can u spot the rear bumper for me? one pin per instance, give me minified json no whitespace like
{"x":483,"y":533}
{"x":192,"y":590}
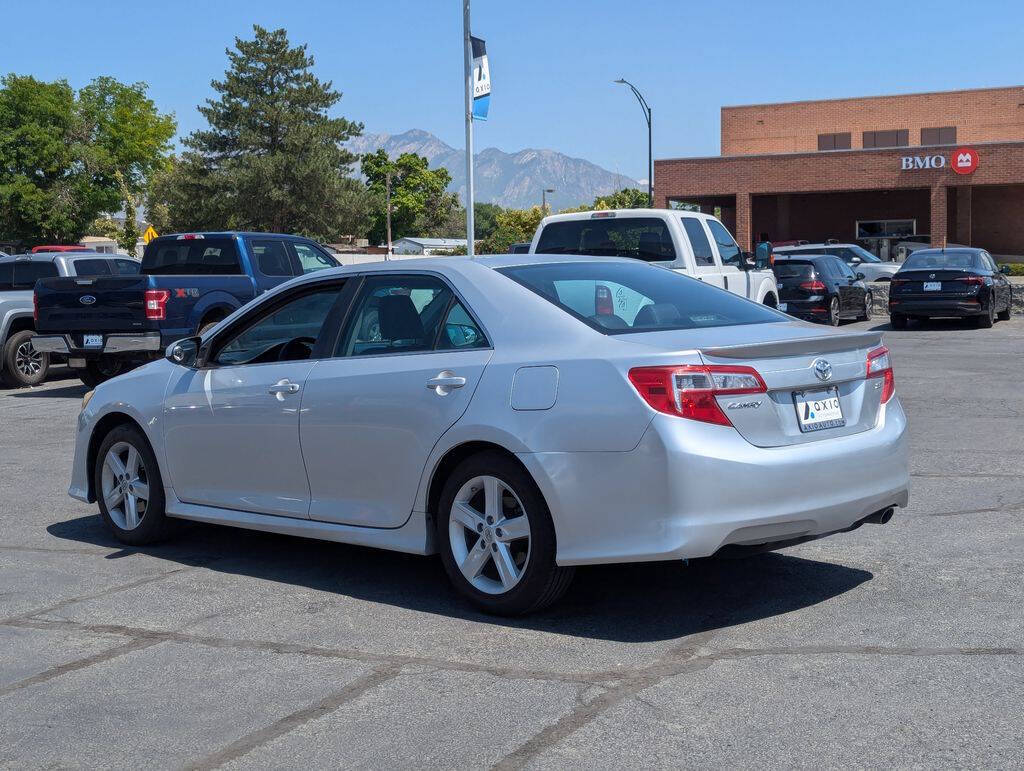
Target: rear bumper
{"x":939,"y":306}
{"x":113,"y":344}
{"x":690,"y":488}
{"x":816,"y":310}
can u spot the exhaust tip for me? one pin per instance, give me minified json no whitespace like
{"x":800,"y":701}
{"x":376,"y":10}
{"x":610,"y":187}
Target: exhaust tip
{"x":880,"y":517}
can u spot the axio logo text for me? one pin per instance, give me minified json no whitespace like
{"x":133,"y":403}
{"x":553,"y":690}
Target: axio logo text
{"x":909,"y":162}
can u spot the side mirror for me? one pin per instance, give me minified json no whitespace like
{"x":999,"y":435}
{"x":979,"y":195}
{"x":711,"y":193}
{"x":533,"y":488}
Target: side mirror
{"x":1004,"y":269}
{"x":860,"y":276}
{"x":855,"y":260}
{"x":184,"y":352}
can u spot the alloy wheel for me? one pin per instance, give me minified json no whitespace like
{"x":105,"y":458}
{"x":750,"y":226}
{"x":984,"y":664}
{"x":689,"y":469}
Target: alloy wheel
{"x":125,"y":486}
{"x":27,"y":360}
{"x":489,"y":533}
{"x":833,"y":312}
{"x":868,"y":305}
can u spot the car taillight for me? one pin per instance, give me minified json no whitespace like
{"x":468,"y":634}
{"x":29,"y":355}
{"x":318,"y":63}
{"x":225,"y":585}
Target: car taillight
{"x":690,"y":391}
{"x":813,"y":286}
{"x":603,"y":301}
{"x":897,"y":281}
{"x":156,"y":304}
{"x":969,"y":280}
{"x":879,"y":365}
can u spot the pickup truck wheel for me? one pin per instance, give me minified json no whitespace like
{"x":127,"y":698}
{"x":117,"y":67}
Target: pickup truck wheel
{"x":98,"y":371}
{"x":23,"y":365}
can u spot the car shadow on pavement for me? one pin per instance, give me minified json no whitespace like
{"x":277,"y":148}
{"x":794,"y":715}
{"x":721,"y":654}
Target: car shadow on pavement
{"x":624,"y":603}
{"x":935,"y":325}
{"x":63,"y":392}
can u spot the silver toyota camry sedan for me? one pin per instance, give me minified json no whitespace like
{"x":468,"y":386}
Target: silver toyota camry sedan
{"x":519,"y":415}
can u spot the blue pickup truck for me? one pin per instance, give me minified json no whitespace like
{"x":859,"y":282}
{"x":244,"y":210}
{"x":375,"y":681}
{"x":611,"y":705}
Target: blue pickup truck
{"x":188,"y":282}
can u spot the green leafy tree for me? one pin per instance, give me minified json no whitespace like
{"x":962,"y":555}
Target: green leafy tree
{"x":627,"y":198}
{"x":419,"y":203}
{"x":272,"y":158}
{"x":65,"y":158}
{"x":128,"y":237}
{"x":512,"y":226}
{"x":485,"y":219}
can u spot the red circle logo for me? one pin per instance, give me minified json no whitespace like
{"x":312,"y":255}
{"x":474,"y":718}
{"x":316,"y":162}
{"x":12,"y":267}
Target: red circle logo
{"x":964,"y":160}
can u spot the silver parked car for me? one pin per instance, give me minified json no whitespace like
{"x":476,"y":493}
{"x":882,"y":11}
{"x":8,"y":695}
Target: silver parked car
{"x":857,"y":257}
{"x":519,"y":415}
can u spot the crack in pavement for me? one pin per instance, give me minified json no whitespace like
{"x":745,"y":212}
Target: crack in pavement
{"x":288,"y":723}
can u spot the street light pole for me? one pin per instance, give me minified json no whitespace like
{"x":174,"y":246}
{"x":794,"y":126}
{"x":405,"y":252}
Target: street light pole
{"x":467,"y":46}
{"x":647,"y":116}
{"x":544,"y":200}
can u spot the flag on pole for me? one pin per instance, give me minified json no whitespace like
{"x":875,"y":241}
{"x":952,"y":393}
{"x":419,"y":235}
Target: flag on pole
{"x":481,"y":79}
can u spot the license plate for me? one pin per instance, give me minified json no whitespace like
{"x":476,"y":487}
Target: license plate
{"x":933,"y":286}
{"x":817,"y":410}
{"x":92,"y":341}
{"x":782,"y":307}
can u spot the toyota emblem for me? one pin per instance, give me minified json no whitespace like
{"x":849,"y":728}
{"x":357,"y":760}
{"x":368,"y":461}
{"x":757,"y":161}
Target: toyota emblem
{"x":822,"y":369}
{"x":87,"y":299}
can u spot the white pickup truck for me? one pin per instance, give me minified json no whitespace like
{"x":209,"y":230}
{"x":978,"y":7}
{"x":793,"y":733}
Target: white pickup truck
{"x":692,"y":243}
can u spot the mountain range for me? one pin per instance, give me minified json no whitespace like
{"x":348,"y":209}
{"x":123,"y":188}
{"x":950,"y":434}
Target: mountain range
{"x":508,"y":179}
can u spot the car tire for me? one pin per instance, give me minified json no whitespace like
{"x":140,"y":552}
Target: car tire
{"x":1004,"y":315}
{"x":868,"y":308}
{"x":988,"y":318}
{"x":833,"y":312}
{"x":476,"y":499}
{"x":897,"y":321}
{"x":22,"y":365}
{"x":130,"y":495}
{"x":99,"y":371}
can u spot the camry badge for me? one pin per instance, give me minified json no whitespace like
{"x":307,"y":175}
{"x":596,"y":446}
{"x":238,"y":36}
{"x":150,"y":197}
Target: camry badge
{"x":744,"y":405}
{"x":822,"y":369}
{"x":87,"y":299}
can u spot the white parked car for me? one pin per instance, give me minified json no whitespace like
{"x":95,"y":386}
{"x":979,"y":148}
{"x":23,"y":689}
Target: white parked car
{"x":857,"y":257}
{"x":695,"y":244}
{"x":498,"y":412}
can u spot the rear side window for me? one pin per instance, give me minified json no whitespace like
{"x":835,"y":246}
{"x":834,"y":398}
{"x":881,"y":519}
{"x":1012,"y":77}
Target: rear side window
{"x":92,"y":268}
{"x":271,"y":256}
{"x":27,"y":273}
{"x":619,"y":298}
{"x":6,"y":276}
{"x":643,"y":238}
{"x":699,"y":241}
{"x":787,"y":269}
{"x":127,"y":267}
{"x":192,"y":257}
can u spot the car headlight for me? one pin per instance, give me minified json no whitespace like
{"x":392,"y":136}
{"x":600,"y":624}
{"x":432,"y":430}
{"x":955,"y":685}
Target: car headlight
{"x":86,"y":399}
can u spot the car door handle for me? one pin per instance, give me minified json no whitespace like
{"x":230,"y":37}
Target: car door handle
{"x":283,"y":387}
{"x":445,"y":382}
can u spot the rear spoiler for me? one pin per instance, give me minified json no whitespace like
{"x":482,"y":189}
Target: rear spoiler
{"x":803,"y":345}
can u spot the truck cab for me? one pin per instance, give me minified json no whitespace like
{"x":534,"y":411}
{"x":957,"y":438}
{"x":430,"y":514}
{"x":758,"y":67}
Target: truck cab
{"x":692,"y":243}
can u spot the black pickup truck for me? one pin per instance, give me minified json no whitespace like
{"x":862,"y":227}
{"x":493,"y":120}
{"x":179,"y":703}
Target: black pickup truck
{"x":188,"y":282}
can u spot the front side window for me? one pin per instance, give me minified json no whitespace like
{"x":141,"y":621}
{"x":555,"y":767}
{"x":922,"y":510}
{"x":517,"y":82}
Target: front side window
{"x":699,"y":241}
{"x":396,"y":314}
{"x":286,"y":332}
{"x":191,"y":257}
{"x":727,"y":248}
{"x":643,"y":238}
{"x":27,"y":273}
{"x":621,"y":297}
{"x":844,"y":269}
{"x":311,"y":259}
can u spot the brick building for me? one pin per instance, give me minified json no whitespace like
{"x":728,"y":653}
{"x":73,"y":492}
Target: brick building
{"x":875,"y":169}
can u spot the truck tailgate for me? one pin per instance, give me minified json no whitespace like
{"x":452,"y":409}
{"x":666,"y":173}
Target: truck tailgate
{"x":91,"y":304}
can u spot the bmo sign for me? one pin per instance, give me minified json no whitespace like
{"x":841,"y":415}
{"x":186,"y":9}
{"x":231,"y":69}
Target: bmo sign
{"x":963,"y":160}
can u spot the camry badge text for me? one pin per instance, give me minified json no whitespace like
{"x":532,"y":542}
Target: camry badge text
{"x":744,"y":405}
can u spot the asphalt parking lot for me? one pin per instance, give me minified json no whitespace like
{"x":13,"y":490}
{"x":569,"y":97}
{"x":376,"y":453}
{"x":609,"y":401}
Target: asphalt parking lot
{"x":897,"y":645}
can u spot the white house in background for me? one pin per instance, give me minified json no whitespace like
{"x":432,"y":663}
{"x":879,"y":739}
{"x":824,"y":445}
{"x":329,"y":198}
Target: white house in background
{"x":100,"y":244}
{"x":425,"y":246}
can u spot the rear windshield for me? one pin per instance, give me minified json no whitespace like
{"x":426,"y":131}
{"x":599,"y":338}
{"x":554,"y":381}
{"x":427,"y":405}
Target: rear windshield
{"x":92,"y":268}
{"x":950,"y":260}
{"x":791,"y":269}
{"x":645,"y":238}
{"x":619,"y":298}
{"x":194,"y":257}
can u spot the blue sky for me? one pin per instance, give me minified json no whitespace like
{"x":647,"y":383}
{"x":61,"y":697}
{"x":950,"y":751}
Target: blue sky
{"x":399,"y":62}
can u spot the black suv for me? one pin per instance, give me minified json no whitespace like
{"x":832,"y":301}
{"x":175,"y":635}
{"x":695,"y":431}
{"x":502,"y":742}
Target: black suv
{"x":822,"y":288}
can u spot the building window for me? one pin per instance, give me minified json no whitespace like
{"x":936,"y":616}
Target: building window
{"x":939,"y":136}
{"x":834,"y":141}
{"x":895,"y":138}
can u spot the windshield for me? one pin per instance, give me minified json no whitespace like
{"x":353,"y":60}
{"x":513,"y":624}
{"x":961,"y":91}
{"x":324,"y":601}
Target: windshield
{"x":951,"y":260}
{"x":645,"y":238}
{"x":618,"y":298}
{"x":859,"y":251}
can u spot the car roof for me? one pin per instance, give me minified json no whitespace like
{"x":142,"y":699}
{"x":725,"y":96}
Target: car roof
{"x":228,"y":234}
{"x":811,"y":246}
{"x":803,"y":257}
{"x":619,"y":214}
{"x":957,"y":250}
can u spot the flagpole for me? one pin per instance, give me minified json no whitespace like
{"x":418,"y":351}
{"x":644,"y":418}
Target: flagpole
{"x":468,"y":57}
